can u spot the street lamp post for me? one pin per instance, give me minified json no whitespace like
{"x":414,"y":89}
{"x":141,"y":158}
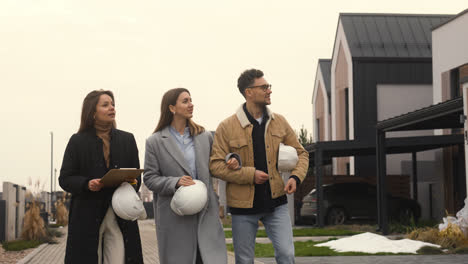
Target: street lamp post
{"x":51,"y":166}
{"x":55,"y":182}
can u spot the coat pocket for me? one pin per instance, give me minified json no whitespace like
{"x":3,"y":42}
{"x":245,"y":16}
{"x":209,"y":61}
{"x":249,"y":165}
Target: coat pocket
{"x":241,"y":147}
{"x":278,"y":135}
{"x":238,"y":143}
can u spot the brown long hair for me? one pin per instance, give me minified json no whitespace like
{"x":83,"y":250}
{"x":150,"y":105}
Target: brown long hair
{"x":89,"y":109}
{"x":170,"y":98}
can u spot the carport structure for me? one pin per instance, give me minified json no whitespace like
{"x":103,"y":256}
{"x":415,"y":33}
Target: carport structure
{"x":440,"y":116}
{"x":445,"y":115}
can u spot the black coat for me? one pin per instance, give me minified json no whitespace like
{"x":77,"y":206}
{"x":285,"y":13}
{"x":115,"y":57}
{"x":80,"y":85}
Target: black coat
{"x":84,"y":160}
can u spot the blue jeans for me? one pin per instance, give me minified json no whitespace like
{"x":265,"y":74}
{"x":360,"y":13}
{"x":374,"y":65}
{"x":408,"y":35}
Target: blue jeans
{"x":278,"y":228}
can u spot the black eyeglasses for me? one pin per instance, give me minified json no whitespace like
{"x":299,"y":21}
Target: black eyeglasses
{"x":264,"y":87}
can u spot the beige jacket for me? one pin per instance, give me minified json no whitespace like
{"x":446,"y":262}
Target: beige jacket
{"x":234,"y":135}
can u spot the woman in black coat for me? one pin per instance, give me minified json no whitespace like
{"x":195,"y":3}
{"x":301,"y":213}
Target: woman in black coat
{"x":92,"y":152}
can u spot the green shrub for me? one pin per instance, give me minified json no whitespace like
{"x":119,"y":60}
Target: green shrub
{"x":461,"y":250}
{"x":52,"y":232}
{"x":428,"y":250}
{"x":396,"y":227}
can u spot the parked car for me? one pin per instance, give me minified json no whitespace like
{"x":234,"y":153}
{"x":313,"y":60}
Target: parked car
{"x":345,"y":201}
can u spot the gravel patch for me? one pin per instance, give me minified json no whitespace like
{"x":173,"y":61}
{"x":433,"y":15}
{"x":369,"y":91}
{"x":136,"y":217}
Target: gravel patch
{"x":10,"y":257}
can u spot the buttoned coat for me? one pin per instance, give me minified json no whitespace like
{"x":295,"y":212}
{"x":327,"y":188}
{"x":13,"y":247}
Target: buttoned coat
{"x":234,"y":135}
{"x":83,"y":161}
{"x":178,"y":236}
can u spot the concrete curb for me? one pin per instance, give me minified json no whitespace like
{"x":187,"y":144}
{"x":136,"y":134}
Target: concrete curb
{"x":32,"y":254}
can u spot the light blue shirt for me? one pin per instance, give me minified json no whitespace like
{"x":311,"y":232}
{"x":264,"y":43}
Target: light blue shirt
{"x":185,"y":143}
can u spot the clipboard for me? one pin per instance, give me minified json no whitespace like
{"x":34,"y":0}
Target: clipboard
{"x":115,"y":177}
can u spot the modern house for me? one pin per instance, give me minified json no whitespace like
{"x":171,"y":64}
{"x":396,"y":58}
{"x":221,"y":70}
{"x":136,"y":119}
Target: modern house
{"x":321,"y":101}
{"x":381,"y":67}
{"x":448,"y":115}
{"x":450,"y":72}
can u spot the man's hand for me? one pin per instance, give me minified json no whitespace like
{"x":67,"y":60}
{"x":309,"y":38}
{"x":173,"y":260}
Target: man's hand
{"x":290,"y":186}
{"x":95,"y":185}
{"x":260,"y":177}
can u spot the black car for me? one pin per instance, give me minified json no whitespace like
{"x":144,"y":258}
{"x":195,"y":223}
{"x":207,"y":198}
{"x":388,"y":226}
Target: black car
{"x":345,"y":201}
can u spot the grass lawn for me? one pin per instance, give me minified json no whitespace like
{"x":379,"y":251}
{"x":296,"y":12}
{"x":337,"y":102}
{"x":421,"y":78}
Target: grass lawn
{"x":17,"y":245}
{"x":304,"y":249}
{"x":308,"y":248}
{"x":308,"y":232}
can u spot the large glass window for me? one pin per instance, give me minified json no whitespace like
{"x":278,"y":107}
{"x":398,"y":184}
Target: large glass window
{"x":346,"y":94}
{"x":455,"y":83}
{"x":317,"y":129}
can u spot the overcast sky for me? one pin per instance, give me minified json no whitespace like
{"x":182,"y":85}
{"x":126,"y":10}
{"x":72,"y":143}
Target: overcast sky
{"x":53,"y":52}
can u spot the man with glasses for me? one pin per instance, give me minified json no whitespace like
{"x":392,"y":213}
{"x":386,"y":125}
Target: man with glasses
{"x":256,"y":191}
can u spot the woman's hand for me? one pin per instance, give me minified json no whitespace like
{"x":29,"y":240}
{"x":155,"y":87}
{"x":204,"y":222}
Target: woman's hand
{"x":95,"y":185}
{"x":185,"y":181}
{"x":131,"y":181}
{"x":232,"y":164}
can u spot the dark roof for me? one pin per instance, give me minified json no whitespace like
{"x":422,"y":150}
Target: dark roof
{"x":325,"y":67}
{"x":438,"y":116}
{"x":451,"y":19}
{"x":390,"y":35}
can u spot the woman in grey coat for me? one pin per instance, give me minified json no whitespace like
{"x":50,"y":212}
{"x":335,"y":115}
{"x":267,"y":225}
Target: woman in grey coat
{"x":176,"y":153}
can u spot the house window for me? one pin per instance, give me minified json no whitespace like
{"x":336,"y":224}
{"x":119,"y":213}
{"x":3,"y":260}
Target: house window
{"x":455,"y":83}
{"x":348,"y":169}
{"x":346,"y":94}
{"x":317,"y":129}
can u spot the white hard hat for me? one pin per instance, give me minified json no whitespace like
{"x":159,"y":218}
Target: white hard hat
{"x":189,"y":200}
{"x":127,"y":204}
{"x":287,"y":158}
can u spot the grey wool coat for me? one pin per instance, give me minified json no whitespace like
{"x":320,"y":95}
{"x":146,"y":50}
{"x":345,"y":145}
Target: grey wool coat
{"x":179,"y":236}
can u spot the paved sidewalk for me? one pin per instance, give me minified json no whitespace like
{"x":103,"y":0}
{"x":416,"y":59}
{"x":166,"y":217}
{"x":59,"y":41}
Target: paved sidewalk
{"x":55,"y":253}
{"x":149,"y":242}
{"x":48,"y":253}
